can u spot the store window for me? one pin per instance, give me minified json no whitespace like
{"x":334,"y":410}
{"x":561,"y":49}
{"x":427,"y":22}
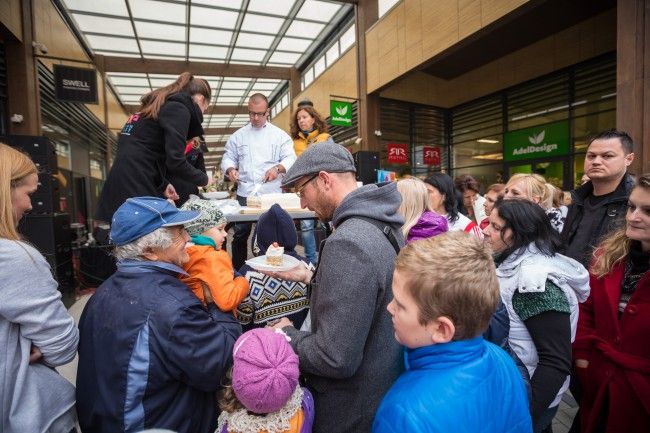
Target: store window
{"x":554,"y":117}
{"x":81,"y":142}
{"x":422,"y":129}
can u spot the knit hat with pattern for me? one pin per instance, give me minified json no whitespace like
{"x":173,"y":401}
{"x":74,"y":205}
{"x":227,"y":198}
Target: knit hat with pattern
{"x":210,"y":216}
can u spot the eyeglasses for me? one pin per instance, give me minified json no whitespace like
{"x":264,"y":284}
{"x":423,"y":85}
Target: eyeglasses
{"x":254,"y":114}
{"x":299,"y":191}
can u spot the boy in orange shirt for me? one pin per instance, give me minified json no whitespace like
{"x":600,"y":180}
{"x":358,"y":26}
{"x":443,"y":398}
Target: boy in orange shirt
{"x":209,"y":266}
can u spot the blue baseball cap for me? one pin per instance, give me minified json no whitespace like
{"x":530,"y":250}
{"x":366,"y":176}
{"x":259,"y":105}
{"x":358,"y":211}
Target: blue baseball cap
{"x":139,"y":216}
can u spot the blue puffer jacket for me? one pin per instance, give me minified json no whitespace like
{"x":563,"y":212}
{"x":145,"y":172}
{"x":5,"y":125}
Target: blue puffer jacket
{"x":150,"y":354}
{"x":461,"y":386}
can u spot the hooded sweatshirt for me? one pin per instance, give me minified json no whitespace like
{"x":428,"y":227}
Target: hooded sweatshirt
{"x":428,"y":225}
{"x":528,"y":271}
{"x":272,"y":298}
{"x":350,"y":357}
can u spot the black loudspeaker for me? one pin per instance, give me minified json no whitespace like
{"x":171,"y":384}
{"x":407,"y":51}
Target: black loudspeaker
{"x":51,"y":235}
{"x":46,"y":199}
{"x":39,"y":148}
{"x":97,"y":263}
{"x":367,"y":164}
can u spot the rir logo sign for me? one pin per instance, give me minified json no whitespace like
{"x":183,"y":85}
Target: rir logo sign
{"x":397,"y":153}
{"x":431,"y":155}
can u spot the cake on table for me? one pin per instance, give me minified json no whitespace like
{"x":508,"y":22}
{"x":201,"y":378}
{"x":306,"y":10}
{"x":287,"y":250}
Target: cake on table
{"x":265,"y":201}
{"x":274,"y":254}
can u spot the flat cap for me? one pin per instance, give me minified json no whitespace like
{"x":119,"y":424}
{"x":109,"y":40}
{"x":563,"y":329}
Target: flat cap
{"x":324,"y":156}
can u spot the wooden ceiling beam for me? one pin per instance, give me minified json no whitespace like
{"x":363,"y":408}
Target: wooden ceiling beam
{"x":213,"y":109}
{"x":219,"y":131}
{"x":176,"y":67}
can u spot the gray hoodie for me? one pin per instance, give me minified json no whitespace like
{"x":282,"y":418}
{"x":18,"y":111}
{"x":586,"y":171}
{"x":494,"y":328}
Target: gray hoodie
{"x":32,"y":396}
{"x":350,"y":358}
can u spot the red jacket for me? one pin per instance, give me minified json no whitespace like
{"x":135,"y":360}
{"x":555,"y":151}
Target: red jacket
{"x":618,"y":351}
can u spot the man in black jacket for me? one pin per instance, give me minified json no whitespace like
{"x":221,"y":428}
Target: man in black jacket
{"x":599,"y":205}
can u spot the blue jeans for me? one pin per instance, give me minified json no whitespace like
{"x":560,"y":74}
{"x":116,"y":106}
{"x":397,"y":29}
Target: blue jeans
{"x":309,"y":240}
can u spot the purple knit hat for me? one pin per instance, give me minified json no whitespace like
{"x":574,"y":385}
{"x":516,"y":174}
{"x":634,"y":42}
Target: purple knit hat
{"x":265,"y":370}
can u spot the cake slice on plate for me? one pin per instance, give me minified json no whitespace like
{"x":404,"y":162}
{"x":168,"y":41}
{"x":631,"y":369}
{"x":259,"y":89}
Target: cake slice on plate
{"x":274,"y":254}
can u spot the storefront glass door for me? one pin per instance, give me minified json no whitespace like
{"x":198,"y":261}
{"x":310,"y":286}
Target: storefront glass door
{"x":556,"y":171}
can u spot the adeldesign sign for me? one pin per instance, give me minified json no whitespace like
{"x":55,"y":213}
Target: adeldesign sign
{"x":340,"y":113}
{"x":75,"y":84}
{"x":537,"y":142}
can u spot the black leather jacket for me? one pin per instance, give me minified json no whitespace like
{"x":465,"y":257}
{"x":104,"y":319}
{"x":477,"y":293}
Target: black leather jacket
{"x":609,"y":216}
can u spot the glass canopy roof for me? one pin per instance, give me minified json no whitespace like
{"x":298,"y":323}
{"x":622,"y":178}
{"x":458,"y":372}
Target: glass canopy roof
{"x":282,"y":33}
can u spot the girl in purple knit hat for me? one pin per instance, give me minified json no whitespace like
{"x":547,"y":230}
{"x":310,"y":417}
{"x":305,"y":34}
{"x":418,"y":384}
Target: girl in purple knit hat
{"x":265,"y":395}
{"x":420,"y":221}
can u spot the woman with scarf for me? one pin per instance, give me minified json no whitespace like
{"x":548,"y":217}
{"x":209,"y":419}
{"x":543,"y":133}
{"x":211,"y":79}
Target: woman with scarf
{"x":541,"y":290}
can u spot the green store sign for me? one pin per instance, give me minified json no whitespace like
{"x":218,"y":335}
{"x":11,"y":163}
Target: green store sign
{"x":537,"y":142}
{"x":340,"y":113}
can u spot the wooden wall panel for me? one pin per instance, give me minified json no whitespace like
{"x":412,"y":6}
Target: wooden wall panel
{"x":338,"y":80}
{"x":283,"y":119}
{"x":372,"y":59}
{"x":492,"y":10}
{"x":10,"y":17}
{"x":416,"y":30}
{"x":413,"y":30}
{"x":469,"y":17}
{"x":580,"y":42}
{"x":51,"y":30}
{"x":440,"y":26}
{"x":116,"y":115}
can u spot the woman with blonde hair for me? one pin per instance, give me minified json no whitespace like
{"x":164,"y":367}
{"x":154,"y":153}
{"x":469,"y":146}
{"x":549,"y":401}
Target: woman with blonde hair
{"x":308,"y":127}
{"x":420,"y":221}
{"x":36,"y":331}
{"x":535,"y":188}
{"x":611,"y":351}
{"x":151,"y":146}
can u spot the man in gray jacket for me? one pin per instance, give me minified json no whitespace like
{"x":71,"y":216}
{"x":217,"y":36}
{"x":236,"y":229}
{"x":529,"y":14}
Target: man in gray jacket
{"x":349,"y":359}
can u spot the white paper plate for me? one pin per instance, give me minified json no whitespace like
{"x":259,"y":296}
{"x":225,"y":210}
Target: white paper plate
{"x":259,"y":263}
{"x":216,"y":195}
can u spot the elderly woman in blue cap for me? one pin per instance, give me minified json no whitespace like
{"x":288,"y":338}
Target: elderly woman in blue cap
{"x":151,"y":355}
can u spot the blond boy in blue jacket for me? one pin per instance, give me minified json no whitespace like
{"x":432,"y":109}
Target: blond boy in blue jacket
{"x":445,"y":291}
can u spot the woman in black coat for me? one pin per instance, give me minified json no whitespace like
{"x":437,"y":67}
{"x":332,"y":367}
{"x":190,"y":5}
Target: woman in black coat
{"x":194,"y":150}
{"x":151,"y":146}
